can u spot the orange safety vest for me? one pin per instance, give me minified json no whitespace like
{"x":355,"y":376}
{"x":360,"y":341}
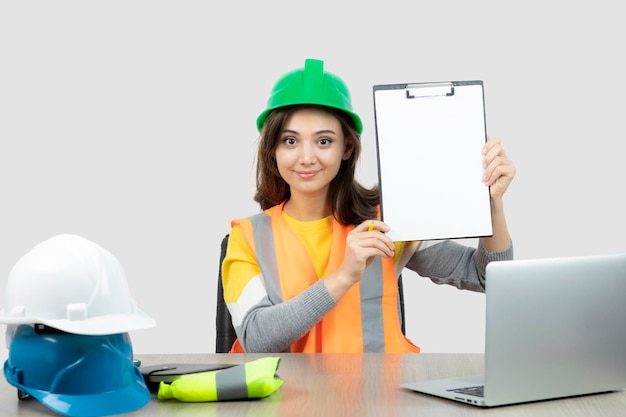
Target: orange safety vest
{"x":366,"y":319}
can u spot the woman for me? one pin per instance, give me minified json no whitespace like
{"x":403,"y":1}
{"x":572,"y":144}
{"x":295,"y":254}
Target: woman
{"x":315,"y":271}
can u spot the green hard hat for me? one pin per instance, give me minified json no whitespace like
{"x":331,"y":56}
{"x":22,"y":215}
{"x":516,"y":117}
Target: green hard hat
{"x":310,"y":85}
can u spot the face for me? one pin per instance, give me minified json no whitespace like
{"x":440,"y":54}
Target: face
{"x":310,"y":150}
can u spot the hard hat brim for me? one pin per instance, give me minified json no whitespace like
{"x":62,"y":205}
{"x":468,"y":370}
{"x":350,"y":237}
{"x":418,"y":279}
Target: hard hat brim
{"x":356,"y":120}
{"x":130,"y":398}
{"x":95,"y":326}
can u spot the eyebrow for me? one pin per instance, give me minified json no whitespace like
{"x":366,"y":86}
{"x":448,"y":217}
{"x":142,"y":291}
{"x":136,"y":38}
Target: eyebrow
{"x":319,"y":132}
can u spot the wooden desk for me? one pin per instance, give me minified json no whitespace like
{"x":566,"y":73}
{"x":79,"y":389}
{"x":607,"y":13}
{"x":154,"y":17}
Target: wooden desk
{"x":345,"y":385}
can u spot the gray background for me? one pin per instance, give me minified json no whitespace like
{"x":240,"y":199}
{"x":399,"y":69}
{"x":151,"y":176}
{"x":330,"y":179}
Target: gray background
{"x":131,"y":123}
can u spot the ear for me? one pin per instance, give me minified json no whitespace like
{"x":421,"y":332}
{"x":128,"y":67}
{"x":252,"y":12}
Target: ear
{"x":347,"y":153}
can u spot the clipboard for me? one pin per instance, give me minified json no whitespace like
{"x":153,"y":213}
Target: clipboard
{"x":429,"y":139}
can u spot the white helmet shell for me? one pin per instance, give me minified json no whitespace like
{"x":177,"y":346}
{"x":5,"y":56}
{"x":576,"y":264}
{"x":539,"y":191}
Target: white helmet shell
{"x":74,"y":285}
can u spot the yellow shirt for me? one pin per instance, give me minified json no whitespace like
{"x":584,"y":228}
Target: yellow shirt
{"x":316,"y":236}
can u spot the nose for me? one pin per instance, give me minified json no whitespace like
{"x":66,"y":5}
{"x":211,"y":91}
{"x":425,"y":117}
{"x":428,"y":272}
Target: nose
{"x":307,"y":155}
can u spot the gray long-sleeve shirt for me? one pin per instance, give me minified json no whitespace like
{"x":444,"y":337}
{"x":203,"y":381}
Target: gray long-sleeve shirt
{"x":443,"y":262}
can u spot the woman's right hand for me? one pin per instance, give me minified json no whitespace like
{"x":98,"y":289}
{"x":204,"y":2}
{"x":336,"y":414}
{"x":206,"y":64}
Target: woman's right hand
{"x":363,"y":243}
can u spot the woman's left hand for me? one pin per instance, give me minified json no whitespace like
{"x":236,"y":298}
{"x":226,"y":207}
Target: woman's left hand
{"x":499,"y":170}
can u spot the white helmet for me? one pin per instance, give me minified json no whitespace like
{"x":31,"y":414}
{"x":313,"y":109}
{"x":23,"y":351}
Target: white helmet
{"x":72,"y":284}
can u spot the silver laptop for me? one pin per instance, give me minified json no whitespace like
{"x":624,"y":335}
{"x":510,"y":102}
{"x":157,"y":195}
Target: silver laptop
{"x":554,"y":328}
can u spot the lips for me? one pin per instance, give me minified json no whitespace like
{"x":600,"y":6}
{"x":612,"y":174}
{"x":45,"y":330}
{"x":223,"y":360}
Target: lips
{"x":307,"y":174}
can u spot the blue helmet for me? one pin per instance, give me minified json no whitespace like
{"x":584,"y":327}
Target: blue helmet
{"x":76,"y":375}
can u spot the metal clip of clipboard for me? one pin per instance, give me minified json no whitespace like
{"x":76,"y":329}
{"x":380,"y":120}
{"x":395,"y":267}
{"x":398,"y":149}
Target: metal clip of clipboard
{"x":429,"y":90}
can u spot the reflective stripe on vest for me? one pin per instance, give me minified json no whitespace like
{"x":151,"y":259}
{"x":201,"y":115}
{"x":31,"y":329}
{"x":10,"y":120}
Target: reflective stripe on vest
{"x":366,"y":318}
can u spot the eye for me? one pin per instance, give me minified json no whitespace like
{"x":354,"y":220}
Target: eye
{"x":289,"y":140}
{"x":325,"y":141}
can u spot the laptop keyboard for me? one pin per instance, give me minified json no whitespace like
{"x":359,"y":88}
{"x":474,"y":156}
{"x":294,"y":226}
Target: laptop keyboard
{"x":476,"y":391}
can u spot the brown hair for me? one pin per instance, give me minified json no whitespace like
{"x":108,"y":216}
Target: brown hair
{"x":352,"y":203}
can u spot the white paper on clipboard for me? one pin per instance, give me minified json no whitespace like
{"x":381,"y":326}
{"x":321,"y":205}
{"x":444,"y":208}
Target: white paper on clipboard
{"x":429,"y":139}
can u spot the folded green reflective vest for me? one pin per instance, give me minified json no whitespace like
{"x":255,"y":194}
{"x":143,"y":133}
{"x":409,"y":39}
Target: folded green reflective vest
{"x":254,"y":379}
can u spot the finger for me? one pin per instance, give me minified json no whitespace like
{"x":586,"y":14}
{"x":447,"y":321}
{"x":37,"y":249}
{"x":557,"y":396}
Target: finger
{"x":377,"y":248}
{"x":382,"y":242}
{"x":361,"y":243}
{"x":500,"y":178}
{"x":373,"y":225}
{"x":494,"y":158}
{"x":490,"y":144}
{"x":493,"y":153}
{"x":489,"y":175}
{"x":365,"y":226}
{"x":498,"y":169}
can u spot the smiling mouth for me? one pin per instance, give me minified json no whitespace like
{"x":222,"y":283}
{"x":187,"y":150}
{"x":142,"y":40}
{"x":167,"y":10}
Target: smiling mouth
{"x":307,"y":174}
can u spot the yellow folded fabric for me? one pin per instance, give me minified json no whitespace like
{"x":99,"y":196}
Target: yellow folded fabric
{"x":254,"y":379}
